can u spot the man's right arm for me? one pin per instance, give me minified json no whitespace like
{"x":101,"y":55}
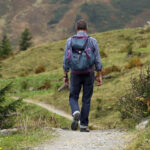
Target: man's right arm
{"x":65,"y":64}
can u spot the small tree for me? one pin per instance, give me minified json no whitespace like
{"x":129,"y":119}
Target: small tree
{"x":5,"y":46}
{"x":7,"y":107}
{"x":0,"y":70}
{"x":25,"y":41}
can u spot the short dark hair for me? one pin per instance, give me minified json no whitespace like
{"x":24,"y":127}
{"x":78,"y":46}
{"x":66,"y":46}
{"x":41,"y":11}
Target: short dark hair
{"x":81,"y":25}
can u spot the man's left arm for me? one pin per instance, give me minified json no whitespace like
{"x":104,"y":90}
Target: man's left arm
{"x":65,"y":65}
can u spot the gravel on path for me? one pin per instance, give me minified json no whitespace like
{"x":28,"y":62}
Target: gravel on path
{"x":94,"y":140}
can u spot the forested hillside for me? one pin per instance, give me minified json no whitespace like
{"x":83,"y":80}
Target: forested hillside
{"x":51,"y":20}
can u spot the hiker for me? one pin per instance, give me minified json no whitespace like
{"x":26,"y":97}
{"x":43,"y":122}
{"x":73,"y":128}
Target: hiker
{"x":82,"y":58}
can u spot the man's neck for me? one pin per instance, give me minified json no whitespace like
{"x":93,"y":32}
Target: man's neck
{"x":81,"y":31}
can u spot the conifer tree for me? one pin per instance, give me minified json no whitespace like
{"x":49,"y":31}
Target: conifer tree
{"x":25,"y":41}
{"x":6,"y":108}
{"x":5,"y":46}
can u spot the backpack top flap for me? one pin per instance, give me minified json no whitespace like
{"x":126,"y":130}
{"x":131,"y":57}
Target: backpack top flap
{"x":79,"y":43}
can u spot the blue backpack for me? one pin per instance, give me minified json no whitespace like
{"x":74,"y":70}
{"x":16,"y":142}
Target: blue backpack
{"x":80,"y":57}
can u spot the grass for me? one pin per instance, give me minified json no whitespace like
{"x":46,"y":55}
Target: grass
{"x":18,"y":141}
{"x":35,"y":125}
{"x":103,"y":113}
{"x":141,"y":140}
{"x":51,"y":57}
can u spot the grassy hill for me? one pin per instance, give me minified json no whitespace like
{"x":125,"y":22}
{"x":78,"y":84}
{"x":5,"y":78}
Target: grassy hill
{"x":51,"y":20}
{"x":122,"y":52}
{"x":22,"y":69}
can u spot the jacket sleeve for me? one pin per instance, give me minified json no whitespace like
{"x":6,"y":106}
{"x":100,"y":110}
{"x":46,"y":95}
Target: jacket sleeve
{"x":98,"y":64}
{"x":66,"y":67}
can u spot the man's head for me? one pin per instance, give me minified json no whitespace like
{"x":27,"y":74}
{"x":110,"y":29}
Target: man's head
{"x":81,"y":25}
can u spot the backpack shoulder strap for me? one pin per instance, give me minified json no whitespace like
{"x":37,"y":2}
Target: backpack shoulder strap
{"x":82,"y":37}
{"x":86,"y":42}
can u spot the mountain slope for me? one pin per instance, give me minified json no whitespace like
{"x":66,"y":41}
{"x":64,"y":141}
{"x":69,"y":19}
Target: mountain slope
{"x":51,"y":20}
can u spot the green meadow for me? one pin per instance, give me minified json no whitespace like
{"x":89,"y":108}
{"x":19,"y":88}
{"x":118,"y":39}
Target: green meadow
{"x":37,"y":73}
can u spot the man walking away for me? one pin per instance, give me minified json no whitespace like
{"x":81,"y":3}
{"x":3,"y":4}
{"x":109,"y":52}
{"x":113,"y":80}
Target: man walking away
{"x":81,"y":57}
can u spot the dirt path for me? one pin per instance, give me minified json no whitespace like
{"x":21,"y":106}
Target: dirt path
{"x":50,"y":108}
{"x":95,"y":140}
{"x":71,"y":140}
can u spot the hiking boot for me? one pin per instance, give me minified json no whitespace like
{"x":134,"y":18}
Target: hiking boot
{"x":84,"y":130}
{"x":76,"y":118}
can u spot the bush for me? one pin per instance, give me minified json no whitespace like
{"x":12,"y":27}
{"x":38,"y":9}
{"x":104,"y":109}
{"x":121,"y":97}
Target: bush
{"x":24,"y":85}
{"x":46,"y":85}
{"x":143,"y":45}
{"x":103,"y":54}
{"x":134,"y":62}
{"x":61,"y":49}
{"x":7,"y":107}
{"x":98,"y":107}
{"x":0,"y":70}
{"x":146,"y":29}
{"x":128,"y":48}
{"x":136,"y":104}
{"x":40,"y":69}
{"x":23,"y":73}
{"x":111,"y":69}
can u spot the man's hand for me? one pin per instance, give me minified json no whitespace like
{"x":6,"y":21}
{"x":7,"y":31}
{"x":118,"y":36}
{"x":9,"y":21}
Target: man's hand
{"x":66,"y":80}
{"x":99,"y":78}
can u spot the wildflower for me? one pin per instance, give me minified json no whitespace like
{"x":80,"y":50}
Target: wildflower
{"x":142,"y":99}
{"x":0,"y":148}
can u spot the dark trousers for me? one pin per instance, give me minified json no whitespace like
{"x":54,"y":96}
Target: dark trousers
{"x":76,"y":82}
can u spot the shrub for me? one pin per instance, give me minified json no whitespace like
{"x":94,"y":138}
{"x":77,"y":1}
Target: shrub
{"x":24,"y":84}
{"x":128,"y":48}
{"x":128,"y":38}
{"x":103,"y":54}
{"x":146,"y":29}
{"x":0,"y":70}
{"x":98,"y":107}
{"x":136,"y":104}
{"x":23,"y":73}
{"x":46,"y":85}
{"x":134,"y":62}
{"x":7,"y":107}
{"x":143,"y":45}
{"x":132,"y":107}
{"x":61,"y":49}
{"x":40,"y":69}
{"x":111,"y":69}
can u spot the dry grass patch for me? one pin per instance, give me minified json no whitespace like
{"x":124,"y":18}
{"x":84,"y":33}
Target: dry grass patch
{"x":111,"y":69}
{"x":40,"y":69}
{"x":134,"y":62}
